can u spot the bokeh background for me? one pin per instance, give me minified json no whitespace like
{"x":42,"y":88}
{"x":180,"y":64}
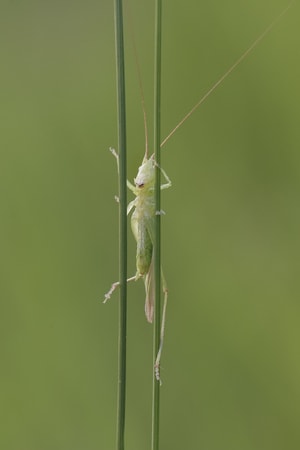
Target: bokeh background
{"x":231,"y":363}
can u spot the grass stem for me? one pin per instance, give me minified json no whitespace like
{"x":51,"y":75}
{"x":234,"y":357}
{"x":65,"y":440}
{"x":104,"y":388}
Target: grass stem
{"x":157,"y":257}
{"x":120,"y":66}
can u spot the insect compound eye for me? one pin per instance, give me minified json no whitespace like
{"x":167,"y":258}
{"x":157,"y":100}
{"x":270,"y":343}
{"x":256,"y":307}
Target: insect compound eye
{"x":141,"y":185}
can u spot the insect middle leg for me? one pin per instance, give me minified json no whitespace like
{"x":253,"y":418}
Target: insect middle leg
{"x":117,"y":284}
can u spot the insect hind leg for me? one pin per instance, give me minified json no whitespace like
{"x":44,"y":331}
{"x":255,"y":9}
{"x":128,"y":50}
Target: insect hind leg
{"x":162,"y":330}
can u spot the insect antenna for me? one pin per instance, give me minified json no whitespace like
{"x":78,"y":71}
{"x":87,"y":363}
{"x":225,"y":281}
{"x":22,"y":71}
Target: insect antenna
{"x":228,"y":72}
{"x":139,"y":80}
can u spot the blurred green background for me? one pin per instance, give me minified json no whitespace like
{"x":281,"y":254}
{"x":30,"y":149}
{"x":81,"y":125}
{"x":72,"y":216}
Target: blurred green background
{"x":231,"y":366}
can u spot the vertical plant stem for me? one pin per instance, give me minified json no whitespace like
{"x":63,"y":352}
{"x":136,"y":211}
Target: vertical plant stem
{"x":157,"y":263}
{"x":122,"y":224}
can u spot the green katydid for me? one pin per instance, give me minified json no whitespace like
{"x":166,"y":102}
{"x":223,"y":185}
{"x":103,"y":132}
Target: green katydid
{"x":142,"y":224}
{"x":142,"y":219}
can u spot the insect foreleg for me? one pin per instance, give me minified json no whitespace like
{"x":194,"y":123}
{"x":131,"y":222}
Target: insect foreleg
{"x":130,"y":186}
{"x":113,"y":151}
{"x":168,"y":181}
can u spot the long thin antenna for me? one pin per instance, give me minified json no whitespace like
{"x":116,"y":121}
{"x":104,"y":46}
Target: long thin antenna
{"x":139,"y":78}
{"x":228,"y":72}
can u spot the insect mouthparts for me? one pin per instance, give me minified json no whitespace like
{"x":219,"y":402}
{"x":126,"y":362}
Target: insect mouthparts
{"x":140,"y":185}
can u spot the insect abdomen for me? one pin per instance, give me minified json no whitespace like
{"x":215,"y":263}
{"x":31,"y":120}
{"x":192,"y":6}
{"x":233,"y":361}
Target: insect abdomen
{"x":144,"y":249}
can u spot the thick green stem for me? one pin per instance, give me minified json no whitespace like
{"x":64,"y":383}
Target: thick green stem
{"x":122,"y":223}
{"x":157,"y":262}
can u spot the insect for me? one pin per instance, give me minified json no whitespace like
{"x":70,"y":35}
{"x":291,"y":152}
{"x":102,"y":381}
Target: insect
{"x":143,"y":216}
{"x":142,"y":225}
